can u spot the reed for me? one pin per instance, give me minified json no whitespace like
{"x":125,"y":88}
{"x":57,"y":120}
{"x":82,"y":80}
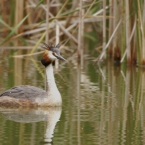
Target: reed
{"x":129,"y":38}
{"x":104,"y":27}
{"x":47,"y":22}
{"x":29,"y":18}
{"x":122,"y":25}
{"x":128,"y":31}
{"x":141,"y":25}
{"x":80,"y":31}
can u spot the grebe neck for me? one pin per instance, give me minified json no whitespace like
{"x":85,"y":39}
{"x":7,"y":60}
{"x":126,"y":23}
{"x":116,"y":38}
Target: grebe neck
{"x":51,"y":87}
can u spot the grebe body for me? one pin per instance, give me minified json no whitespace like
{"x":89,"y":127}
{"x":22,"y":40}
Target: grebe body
{"x":32,"y":96}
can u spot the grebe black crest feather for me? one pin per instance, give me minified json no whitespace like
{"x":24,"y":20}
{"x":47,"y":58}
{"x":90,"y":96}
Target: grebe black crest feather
{"x":51,"y":47}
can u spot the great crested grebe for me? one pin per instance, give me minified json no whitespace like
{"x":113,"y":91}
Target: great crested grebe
{"x":32,"y":96}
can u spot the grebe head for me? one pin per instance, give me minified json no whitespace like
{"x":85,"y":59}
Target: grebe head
{"x":51,"y":54}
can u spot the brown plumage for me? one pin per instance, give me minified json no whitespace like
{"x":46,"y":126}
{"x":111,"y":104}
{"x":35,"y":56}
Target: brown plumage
{"x":45,"y":59}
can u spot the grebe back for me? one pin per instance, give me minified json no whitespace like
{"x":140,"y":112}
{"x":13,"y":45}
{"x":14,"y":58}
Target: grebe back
{"x":32,"y":96}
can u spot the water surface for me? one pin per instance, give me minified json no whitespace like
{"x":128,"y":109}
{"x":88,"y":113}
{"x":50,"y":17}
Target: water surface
{"x":101,"y":105}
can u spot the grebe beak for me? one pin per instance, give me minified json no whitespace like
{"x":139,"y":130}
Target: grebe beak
{"x":58,"y":56}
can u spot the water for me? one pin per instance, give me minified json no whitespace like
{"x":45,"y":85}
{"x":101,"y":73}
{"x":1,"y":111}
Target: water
{"x":101,"y":105}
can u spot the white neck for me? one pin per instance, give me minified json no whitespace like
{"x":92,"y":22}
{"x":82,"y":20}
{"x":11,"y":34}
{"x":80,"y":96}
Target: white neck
{"x":51,"y":88}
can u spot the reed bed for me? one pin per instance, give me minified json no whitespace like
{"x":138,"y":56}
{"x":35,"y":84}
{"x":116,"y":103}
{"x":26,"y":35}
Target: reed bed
{"x":128,"y":40}
{"x":118,"y":24}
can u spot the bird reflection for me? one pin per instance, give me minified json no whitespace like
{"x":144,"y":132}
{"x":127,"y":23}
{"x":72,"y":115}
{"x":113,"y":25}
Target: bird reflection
{"x":30,"y":115}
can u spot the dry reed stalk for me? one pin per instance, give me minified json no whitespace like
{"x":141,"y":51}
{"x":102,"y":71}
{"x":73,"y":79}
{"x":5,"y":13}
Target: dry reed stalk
{"x":128,"y":29}
{"x":19,"y":14}
{"x":114,"y":25}
{"x":4,"y":16}
{"x":28,"y":10}
{"x":28,"y":55}
{"x":57,"y":34}
{"x":17,"y":47}
{"x":85,"y":15}
{"x":30,"y":32}
{"x":67,"y":29}
{"x":134,"y":50}
{"x":75,"y":14}
{"x":104,"y":28}
{"x":36,"y":15}
{"x":116,"y":40}
{"x":110,"y":50}
{"x":44,"y":34}
{"x":69,"y":17}
{"x":130,"y":38}
{"x":82,"y":23}
{"x":80,"y":31}
{"x":118,"y":44}
{"x":29,"y":22}
{"x":32,"y":39}
{"x":101,"y":11}
{"x":67,"y":33}
{"x":133,"y":43}
{"x":109,"y":41}
{"x":142,"y":23}
{"x":82,"y":41}
{"x":47,"y":22}
{"x":18,"y":62}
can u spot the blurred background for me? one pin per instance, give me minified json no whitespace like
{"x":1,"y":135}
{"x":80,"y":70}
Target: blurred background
{"x":102,"y":83}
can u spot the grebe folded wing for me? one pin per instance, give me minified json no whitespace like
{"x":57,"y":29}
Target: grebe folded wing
{"x":24,"y":92}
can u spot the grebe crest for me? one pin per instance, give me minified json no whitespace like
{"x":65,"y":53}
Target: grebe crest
{"x":33,"y":96}
{"x":51,"y":54}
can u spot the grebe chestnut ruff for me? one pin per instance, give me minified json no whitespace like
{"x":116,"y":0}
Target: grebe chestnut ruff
{"x":32,"y":96}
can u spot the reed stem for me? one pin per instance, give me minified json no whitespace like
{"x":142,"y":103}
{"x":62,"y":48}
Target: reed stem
{"x":80,"y":31}
{"x":47,"y":22}
{"x":104,"y":28}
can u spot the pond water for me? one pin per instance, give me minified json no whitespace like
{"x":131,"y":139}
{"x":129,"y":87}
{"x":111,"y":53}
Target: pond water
{"x":102,"y":105}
